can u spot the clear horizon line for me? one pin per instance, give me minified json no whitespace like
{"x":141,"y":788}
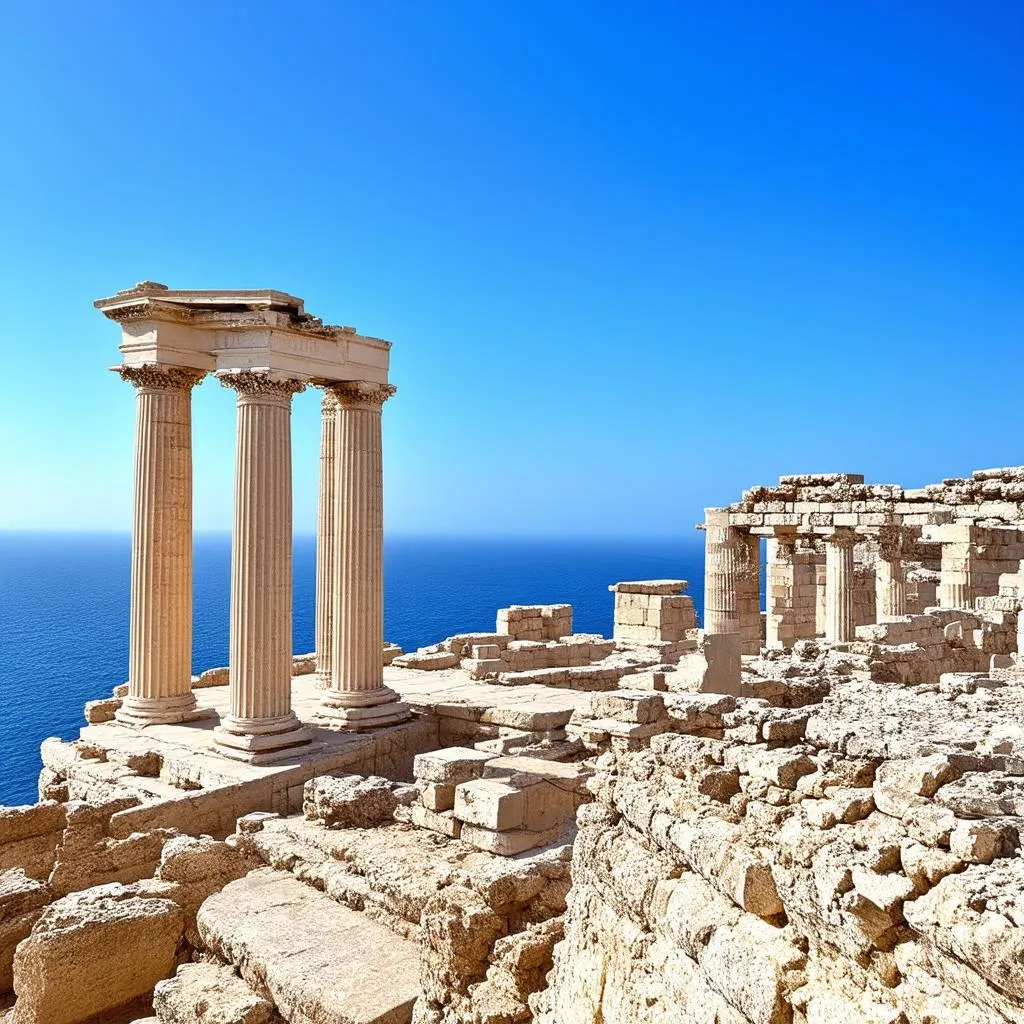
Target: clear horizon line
{"x":398,"y":534}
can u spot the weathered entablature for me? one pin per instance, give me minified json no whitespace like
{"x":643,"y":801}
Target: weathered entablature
{"x":843,"y":553}
{"x":809,"y":501}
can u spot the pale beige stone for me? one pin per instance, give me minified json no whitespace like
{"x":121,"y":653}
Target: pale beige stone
{"x":354,"y":971}
{"x":450,"y":766}
{"x":160,"y":634}
{"x":357,"y":697}
{"x":262,"y":722}
{"x":839,"y":621}
{"x":22,"y":900}
{"x":326,"y":552}
{"x":64,"y":972}
{"x":491,"y":804}
{"x":206,"y":993}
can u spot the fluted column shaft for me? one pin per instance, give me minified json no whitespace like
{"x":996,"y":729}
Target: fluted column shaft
{"x":325,"y":539}
{"x":890,"y":588}
{"x":890,"y":596}
{"x":260,"y":658}
{"x":723,"y":558}
{"x":357,"y":696}
{"x":160,"y":653}
{"x":839,"y":622}
{"x":956,"y":576}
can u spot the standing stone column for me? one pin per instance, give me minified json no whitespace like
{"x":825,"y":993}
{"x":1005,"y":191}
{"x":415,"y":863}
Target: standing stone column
{"x":261,"y":723}
{"x":890,"y":593}
{"x":779,"y":629}
{"x":160,"y":652}
{"x":325,"y":539}
{"x":819,"y":596}
{"x":748,"y":592}
{"x":956,"y":571}
{"x":839,"y":622}
{"x":723,"y":556}
{"x":723,"y":559}
{"x":357,"y":697}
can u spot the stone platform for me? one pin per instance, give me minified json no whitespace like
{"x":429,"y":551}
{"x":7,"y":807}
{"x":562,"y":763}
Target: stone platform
{"x":180,"y":778}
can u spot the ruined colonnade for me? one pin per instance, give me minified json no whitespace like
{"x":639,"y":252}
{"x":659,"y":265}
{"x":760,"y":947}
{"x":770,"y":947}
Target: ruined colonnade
{"x":808,"y":595}
{"x":170,"y":341}
{"x":956,"y":539}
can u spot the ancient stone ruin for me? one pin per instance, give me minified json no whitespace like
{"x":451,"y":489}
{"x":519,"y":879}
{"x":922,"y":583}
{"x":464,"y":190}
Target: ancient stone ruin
{"x":797,"y":816}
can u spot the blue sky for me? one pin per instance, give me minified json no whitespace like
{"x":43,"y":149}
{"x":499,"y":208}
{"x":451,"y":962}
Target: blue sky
{"x":633,"y":257}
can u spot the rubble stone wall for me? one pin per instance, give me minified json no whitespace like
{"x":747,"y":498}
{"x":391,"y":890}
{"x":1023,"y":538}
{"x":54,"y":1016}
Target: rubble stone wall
{"x":847,"y":872}
{"x":918,"y":649}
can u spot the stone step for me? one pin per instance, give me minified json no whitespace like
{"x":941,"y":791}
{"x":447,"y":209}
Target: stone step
{"x":320,"y":962}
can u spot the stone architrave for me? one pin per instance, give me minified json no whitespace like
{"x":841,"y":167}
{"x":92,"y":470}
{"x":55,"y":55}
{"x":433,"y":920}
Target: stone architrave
{"x":357,"y":697}
{"x":261,"y":725}
{"x":160,"y":652}
{"x":839,"y":621}
{"x":891,"y":594}
{"x":325,"y":538}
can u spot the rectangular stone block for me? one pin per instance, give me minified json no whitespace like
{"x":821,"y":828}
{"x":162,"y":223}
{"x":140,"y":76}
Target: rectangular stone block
{"x":439,"y":796}
{"x":548,"y":806}
{"x":508,"y":844}
{"x":640,"y":708}
{"x":490,"y":803}
{"x":443,"y":822}
{"x":451,"y":765}
{"x":649,"y":587}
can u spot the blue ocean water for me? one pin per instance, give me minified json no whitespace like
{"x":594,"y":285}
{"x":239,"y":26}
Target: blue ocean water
{"x":64,"y":611}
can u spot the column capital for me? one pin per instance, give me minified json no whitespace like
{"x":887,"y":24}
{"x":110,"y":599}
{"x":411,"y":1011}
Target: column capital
{"x":160,"y":378}
{"x":359,"y":394}
{"x":784,"y":537}
{"x":260,"y":385}
{"x":890,"y":542}
{"x":843,"y":537}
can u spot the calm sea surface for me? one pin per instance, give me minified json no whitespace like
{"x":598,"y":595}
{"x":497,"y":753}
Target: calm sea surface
{"x":64,"y":611}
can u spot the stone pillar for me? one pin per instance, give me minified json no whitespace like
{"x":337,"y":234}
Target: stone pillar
{"x":748,"y":593}
{"x":805,"y":590}
{"x":160,"y":651}
{"x":723,"y":557}
{"x":839,"y":623}
{"x":357,"y":697}
{"x":956,"y":574}
{"x":722,"y":562}
{"x":325,"y":538}
{"x":779,"y":628}
{"x":890,"y":594}
{"x":261,"y":725}
{"x":819,"y":597}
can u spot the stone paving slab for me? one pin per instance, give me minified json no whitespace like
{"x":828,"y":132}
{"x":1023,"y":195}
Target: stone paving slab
{"x":320,"y":961}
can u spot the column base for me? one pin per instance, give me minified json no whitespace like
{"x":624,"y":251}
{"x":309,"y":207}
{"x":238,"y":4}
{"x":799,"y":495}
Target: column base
{"x":260,"y":740}
{"x":139,"y":712}
{"x":363,"y":709}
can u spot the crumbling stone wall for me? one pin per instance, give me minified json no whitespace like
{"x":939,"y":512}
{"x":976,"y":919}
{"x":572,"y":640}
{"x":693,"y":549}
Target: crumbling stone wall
{"x":854,"y":864}
{"x":918,"y":649}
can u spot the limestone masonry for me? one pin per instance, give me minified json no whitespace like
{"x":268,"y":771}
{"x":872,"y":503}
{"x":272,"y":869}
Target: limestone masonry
{"x":807,"y":815}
